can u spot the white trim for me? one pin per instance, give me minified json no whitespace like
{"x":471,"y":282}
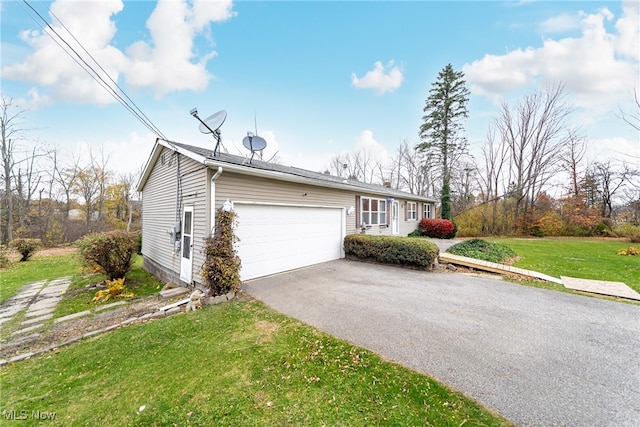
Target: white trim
{"x":281,"y":176}
{"x":415,"y":211}
{"x":395,"y":222}
{"x":293,"y":205}
{"x":186,"y":264}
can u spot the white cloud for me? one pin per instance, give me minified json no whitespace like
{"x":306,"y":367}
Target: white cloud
{"x":598,"y":68}
{"x":367,"y":143}
{"x":383,"y":78}
{"x":559,"y":24}
{"x":167,"y":62}
{"x":129,"y":154}
{"x":616,"y":147}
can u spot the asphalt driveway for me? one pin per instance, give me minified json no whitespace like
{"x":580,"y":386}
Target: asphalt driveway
{"x":538,"y":357}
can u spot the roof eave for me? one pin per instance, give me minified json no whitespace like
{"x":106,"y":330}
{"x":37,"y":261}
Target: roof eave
{"x":230,"y":167}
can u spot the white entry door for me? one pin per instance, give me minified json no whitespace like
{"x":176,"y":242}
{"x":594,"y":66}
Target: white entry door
{"x":186,"y":257}
{"x":395,"y":217}
{"x":277,"y":238}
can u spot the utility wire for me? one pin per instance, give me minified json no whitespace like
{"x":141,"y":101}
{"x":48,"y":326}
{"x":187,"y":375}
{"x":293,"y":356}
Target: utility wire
{"x":158,"y":132}
{"x":93,"y":73}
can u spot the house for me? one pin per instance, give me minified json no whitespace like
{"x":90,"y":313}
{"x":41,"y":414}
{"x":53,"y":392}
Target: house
{"x":287,"y":217}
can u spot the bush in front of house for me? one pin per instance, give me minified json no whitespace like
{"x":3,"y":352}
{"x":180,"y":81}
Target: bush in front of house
{"x":437,"y":228}
{"x":26,"y":247}
{"x":221,"y":268}
{"x":110,"y":252}
{"x":391,"y":250}
{"x":481,"y":249}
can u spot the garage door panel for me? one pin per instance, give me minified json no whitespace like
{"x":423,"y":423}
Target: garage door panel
{"x":281,"y":238}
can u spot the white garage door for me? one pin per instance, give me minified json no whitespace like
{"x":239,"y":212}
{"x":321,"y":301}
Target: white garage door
{"x":280,"y":238}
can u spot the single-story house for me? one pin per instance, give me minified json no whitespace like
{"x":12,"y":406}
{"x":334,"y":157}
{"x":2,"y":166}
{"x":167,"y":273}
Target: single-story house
{"x":287,"y":217}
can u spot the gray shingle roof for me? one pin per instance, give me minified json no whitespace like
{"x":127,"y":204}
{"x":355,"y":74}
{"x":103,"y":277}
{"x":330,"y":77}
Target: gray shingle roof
{"x":290,"y":170}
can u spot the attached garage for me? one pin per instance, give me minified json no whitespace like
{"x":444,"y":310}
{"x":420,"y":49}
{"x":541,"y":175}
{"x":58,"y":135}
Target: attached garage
{"x":275,"y":238}
{"x":288,"y":217}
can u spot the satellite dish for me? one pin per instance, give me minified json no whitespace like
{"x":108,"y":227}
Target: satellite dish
{"x":213,"y":122}
{"x":211,"y":125}
{"x":254,"y":143}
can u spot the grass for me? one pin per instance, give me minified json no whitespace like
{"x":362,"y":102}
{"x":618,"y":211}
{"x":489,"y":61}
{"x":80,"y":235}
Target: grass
{"x":239,"y":363}
{"x":39,"y":267}
{"x":584,"y":258}
{"x":137,"y":280}
{"x":48,"y":267}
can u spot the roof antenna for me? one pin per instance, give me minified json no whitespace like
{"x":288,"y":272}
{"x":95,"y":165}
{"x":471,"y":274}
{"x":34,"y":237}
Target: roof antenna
{"x":255,"y":121}
{"x":212,"y":125}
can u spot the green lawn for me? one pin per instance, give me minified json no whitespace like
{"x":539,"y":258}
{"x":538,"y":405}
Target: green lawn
{"x":137,"y":280}
{"x":576,"y":257}
{"x":37,"y":268}
{"x":239,"y":363}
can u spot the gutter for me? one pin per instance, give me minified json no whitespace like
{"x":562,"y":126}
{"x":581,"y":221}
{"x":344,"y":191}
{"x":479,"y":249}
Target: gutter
{"x":304,"y":180}
{"x":212,"y":190}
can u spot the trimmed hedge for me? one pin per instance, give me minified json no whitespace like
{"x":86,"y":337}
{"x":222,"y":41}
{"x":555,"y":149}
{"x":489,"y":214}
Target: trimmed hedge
{"x":391,"y":250}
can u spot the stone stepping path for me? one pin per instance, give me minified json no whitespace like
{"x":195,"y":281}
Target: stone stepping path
{"x":39,"y":299}
{"x":20,"y":301}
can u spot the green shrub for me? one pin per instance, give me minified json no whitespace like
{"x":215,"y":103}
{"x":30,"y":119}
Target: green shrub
{"x":5,"y":262}
{"x":26,"y":247}
{"x":415,"y":233}
{"x":221,"y":268}
{"x":391,"y":250}
{"x":481,"y":249}
{"x":629,"y":231}
{"x":112,"y":252}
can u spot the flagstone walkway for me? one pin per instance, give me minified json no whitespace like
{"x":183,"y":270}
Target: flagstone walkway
{"x":39,"y":299}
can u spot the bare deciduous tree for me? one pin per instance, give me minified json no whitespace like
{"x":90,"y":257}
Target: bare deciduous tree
{"x":609,"y":182}
{"x":11,"y":131}
{"x":535,"y":133}
{"x":572,"y":160}
{"x":416,"y":170}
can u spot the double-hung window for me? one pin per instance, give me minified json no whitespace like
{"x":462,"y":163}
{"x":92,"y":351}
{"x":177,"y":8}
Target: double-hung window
{"x":373,"y":211}
{"x":426,"y":210}
{"x":412,"y":211}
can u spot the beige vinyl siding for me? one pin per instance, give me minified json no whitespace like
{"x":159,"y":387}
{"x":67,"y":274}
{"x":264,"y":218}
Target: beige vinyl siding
{"x":159,"y":210}
{"x":247,"y":188}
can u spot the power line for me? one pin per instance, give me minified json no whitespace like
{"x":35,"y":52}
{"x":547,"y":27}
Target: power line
{"x":136,"y":112}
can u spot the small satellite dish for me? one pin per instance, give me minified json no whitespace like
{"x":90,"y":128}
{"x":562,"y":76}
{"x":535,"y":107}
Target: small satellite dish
{"x":254,"y":143}
{"x":213,"y":122}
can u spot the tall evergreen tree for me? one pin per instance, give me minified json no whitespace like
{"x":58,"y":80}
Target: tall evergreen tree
{"x":442,"y":132}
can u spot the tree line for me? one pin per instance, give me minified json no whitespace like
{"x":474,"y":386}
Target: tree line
{"x":54,"y":196}
{"x":530,"y":176}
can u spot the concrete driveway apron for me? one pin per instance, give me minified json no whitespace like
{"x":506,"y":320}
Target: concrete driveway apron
{"x":538,"y":357}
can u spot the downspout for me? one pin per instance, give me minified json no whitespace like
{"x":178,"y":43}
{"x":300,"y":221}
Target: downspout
{"x":212,"y":213}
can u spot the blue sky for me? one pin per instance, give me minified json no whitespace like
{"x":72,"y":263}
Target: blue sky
{"x":318,"y":78}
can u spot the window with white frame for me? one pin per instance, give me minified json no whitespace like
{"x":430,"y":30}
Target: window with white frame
{"x":426,"y":210}
{"x":412,"y":211}
{"x":373,"y":211}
